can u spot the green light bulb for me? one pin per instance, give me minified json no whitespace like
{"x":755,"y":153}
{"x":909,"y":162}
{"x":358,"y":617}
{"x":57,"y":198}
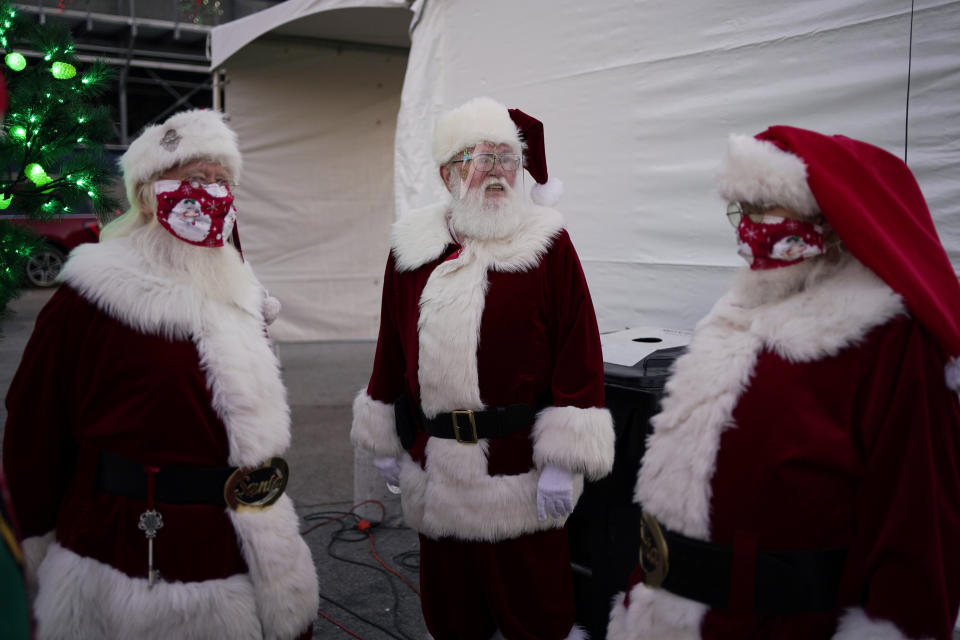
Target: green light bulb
{"x":63,"y":70}
{"x":15,"y":61}
{"x":35,"y":172}
{"x":18,"y":133}
{"x":38,"y":176}
{"x":5,"y":200}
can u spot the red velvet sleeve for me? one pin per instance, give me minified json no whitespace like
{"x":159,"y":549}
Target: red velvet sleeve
{"x":386,"y":380}
{"x":578,"y":368}
{"x":907,"y":540}
{"x":38,"y":450}
{"x":576,"y":432}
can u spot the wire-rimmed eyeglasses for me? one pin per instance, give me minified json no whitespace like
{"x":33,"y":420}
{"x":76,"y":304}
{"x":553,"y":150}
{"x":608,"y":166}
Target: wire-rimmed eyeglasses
{"x":484,"y":162}
{"x":736,"y":211}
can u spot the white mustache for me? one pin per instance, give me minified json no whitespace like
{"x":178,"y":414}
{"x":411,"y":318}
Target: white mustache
{"x":489,"y":182}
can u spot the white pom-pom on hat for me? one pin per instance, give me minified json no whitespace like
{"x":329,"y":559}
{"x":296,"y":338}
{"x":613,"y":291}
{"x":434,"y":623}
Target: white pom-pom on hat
{"x":548,"y":193}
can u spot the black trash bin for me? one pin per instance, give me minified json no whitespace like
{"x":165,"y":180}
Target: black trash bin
{"x":604,"y":528}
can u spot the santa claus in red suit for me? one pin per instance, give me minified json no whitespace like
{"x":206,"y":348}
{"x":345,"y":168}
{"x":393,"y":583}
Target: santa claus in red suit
{"x":486,"y":401}
{"x":803,"y":478}
{"x":146,"y":395}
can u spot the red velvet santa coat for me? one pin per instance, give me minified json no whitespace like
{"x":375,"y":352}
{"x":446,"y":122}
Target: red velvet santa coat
{"x":129,"y":360}
{"x":818,"y":421}
{"x":494,"y":323}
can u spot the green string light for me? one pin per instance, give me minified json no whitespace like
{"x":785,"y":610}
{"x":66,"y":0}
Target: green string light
{"x":63,"y":70}
{"x":18,"y":133}
{"x":15,"y":60}
{"x":5,"y":200}
{"x":38,"y":175}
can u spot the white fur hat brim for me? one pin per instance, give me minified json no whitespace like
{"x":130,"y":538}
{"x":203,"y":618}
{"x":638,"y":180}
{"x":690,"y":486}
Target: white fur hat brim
{"x":759,"y":172}
{"x":480,"y":119}
{"x":184,"y":137}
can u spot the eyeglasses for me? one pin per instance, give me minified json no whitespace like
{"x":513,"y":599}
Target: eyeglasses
{"x":736,"y":211}
{"x":484,"y":162}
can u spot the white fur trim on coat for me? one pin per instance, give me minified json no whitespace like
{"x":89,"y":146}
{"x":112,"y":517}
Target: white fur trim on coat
{"x":759,"y":172}
{"x":674,"y":482}
{"x":420,"y":237}
{"x":34,"y":549}
{"x":243,"y":375}
{"x":478,"y":120}
{"x":579,"y":440}
{"x":281,"y":568}
{"x":456,"y":496}
{"x":184,"y":137}
{"x":654,"y":613}
{"x":856,"y":625}
{"x":84,"y":598}
{"x":374,"y":426}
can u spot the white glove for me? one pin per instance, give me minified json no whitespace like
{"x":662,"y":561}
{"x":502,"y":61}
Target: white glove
{"x":554,"y":493}
{"x":389,"y":469}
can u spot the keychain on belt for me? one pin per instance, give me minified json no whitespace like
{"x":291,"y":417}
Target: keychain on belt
{"x":150,"y":522}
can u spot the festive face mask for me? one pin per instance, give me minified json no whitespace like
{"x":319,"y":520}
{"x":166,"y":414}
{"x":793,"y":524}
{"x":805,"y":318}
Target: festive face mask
{"x":201,"y":215}
{"x":778,"y":242}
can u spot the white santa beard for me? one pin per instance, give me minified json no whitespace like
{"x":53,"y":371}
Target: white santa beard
{"x":483,"y":218}
{"x":763,"y":286}
{"x":216,"y":271}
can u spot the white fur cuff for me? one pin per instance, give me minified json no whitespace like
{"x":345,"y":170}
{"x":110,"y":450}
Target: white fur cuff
{"x":34,"y":550}
{"x":580,"y":440}
{"x":856,"y":625}
{"x":374,"y":426}
{"x":952,"y":374}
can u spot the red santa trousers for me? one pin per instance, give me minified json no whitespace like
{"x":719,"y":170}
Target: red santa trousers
{"x":522,"y":586}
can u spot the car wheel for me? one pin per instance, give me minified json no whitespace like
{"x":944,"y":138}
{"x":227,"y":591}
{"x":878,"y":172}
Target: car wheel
{"x":44,"y":266}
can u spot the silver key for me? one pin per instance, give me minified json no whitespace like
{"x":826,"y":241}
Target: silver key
{"x":150,"y":522}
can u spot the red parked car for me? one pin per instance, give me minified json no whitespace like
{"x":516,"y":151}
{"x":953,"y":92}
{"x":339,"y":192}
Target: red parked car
{"x":61,"y":234}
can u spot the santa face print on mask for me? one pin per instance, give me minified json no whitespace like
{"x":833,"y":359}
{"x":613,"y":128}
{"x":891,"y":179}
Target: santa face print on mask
{"x":770,"y":241}
{"x":199,"y":214}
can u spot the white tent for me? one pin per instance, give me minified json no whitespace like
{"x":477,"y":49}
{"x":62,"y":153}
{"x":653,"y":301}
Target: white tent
{"x":313,"y":90}
{"x":637,"y":99}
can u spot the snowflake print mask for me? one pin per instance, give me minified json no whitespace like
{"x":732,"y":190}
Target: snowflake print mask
{"x":778,"y":242}
{"x":202,"y":215}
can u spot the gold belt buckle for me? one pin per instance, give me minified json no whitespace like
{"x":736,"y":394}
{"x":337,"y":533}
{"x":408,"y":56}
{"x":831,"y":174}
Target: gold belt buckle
{"x":456,"y":426}
{"x":256,"y":487}
{"x":654,"y":554}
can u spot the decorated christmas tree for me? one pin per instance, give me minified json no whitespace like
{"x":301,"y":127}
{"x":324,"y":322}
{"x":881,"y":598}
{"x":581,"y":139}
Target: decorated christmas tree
{"x":51,"y":146}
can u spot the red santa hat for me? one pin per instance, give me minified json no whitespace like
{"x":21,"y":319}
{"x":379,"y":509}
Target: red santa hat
{"x":486,"y":120}
{"x":184,"y":137}
{"x":872,"y":201}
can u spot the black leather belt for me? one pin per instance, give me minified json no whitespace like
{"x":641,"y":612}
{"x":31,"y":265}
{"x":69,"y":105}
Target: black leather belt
{"x":464,"y":425}
{"x":467,"y":426}
{"x":785,"y":582}
{"x":255,"y":487}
